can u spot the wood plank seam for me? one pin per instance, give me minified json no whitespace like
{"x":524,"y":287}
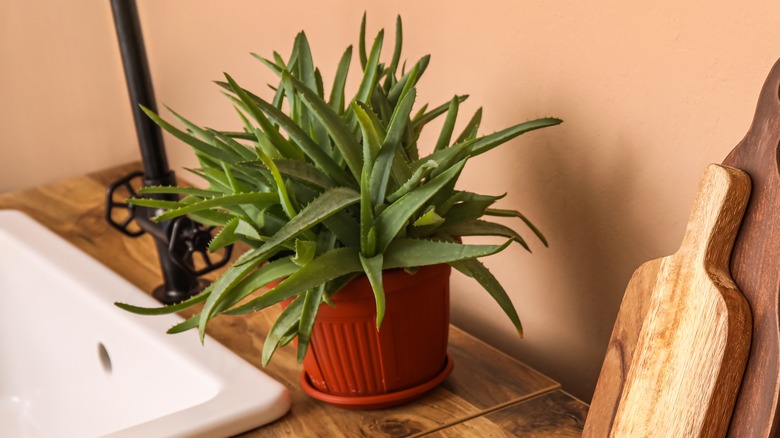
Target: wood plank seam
{"x":525,"y":398}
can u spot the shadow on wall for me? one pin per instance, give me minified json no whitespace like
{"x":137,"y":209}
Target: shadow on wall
{"x":593,"y":205}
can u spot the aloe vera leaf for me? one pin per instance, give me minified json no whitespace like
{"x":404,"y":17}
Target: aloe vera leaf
{"x":399,"y":40}
{"x":289,"y":336}
{"x":225,"y":237}
{"x":264,"y":275}
{"x":376,"y":124}
{"x":187,"y":324}
{"x":515,"y":213}
{"x":419,"y":122}
{"x":206,"y":134}
{"x":321,"y":208}
{"x":210,"y":217}
{"x":305,"y":62}
{"x":362,"y":42}
{"x":449,"y":125}
{"x":239,"y":135}
{"x":197,"y":144}
{"x":235,"y":186}
{"x":277,"y":65}
{"x":274,"y":66}
{"x":302,"y":171}
{"x":410,"y":146}
{"x":260,"y":277}
{"x":164,"y":310}
{"x":409,"y":87}
{"x":484,"y":228}
{"x":467,"y":211}
{"x":428,"y":219}
{"x":289,"y":150}
{"x":224,"y":284}
{"x":191,"y":126}
{"x":305,"y":250}
{"x":155,"y":203}
{"x":464,"y":196}
{"x":268,"y":136}
{"x":241,"y":150}
{"x":289,"y":317}
{"x":371,"y":137}
{"x":409,"y":79}
{"x":406,"y":253}
{"x":345,"y":227}
{"x":420,"y":112}
{"x":381,"y":171}
{"x":328,"y":266}
{"x":311,"y":306}
{"x":308,"y":76}
{"x":237,"y":199}
{"x":278,"y":100}
{"x":381,"y":105}
{"x":475,"y":269}
{"x":395,"y":131}
{"x":214,"y":183}
{"x":264,"y":144}
{"x":413,"y":181}
{"x":489,"y":142}
{"x":176,"y":190}
{"x":224,"y":143}
{"x":471,"y":128}
{"x":337,"y":98}
{"x":367,"y":231}
{"x":370,"y":149}
{"x":311,"y":149}
{"x":341,"y":135}
{"x":370,"y":77}
{"x":319,"y":82}
{"x":395,"y":216}
{"x":247,"y":229}
{"x":372,"y":266}
{"x":445,"y":158}
{"x":284,"y":196}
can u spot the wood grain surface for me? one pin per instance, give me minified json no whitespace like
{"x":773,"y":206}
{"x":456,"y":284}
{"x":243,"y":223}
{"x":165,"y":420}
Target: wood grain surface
{"x":483,"y":378}
{"x":555,"y":414}
{"x":690,"y":352}
{"x":755,"y":266}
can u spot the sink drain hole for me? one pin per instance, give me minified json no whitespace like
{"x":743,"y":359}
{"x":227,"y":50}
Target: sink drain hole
{"x":105,"y":359}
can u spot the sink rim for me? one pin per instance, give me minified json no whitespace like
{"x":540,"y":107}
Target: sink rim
{"x":237,"y":406}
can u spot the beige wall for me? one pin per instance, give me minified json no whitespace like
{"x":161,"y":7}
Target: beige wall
{"x":650,"y":93}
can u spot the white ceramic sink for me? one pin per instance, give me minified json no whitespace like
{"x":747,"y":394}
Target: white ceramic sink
{"x":74,"y":365}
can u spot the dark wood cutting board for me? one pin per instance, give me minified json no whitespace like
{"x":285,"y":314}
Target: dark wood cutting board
{"x":755,"y":266}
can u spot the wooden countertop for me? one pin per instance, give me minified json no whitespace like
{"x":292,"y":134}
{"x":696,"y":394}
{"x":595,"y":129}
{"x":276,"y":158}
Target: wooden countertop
{"x":488,"y":393}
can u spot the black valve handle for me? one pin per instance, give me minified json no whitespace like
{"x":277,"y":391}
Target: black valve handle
{"x":132,"y":211}
{"x":187,"y":239}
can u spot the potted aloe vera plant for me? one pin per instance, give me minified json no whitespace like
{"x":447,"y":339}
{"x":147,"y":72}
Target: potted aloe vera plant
{"x":349,"y":227}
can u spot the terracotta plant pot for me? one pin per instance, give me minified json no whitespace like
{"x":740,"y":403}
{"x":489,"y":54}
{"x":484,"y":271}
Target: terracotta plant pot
{"x":352,"y":365}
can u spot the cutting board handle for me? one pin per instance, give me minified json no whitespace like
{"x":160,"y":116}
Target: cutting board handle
{"x":713,"y":224}
{"x":761,"y":143}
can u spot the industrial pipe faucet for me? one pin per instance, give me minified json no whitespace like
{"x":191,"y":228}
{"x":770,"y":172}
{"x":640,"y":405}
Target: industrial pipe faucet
{"x":177,"y":240}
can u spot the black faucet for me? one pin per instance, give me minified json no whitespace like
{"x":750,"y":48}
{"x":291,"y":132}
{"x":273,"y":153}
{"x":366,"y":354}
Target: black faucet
{"x":176,"y":240}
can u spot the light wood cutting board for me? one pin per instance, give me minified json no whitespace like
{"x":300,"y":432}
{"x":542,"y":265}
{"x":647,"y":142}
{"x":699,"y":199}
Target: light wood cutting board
{"x":678,"y":351}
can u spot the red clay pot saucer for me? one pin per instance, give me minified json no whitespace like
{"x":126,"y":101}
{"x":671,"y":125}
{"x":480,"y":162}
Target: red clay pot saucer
{"x":380,"y":401}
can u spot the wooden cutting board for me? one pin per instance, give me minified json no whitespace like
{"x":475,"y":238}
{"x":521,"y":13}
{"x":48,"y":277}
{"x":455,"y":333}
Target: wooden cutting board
{"x":678,"y":350}
{"x":755,"y":266}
